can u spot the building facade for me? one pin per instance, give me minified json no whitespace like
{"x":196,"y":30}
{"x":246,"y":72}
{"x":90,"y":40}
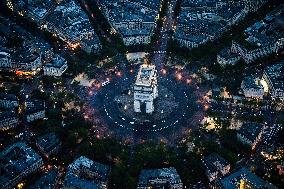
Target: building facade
{"x":35,"y":110}
{"x":56,"y":67}
{"x":252,"y":88}
{"x":8,"y":120}
{"x":8,"y":101}
{"x":251,"y":133}
{"x":160,"y":178}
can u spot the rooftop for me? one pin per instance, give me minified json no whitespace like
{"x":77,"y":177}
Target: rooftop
{"x":251,"y":82}
{"x":233,"y":180}
{"x":64,"y":18}
{"x":148,"y":175}
{"x":141,"y":13}
{"x":86,"y":172}
{"x":14,"y":160}
{"x":71,"y":21}
{"x":250,"y":130}
{"x":48,"y":142}
{"x":7,"y":114}
{"x":275,"y":75}
{"x":38,"y":9}
{"x":226,"y":53}
{"x":198,"y":20}
{"x":33,"y":106}
{"x":47,"y":181}
{"x":57,"y":62}
{"x":214,"y":162}
{"x":6,"y":96}
{"x":146,"y":75}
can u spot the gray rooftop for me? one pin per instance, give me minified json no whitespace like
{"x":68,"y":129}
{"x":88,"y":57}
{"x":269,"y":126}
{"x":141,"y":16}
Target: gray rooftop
{"x":226,"y":53}
{"x":266,"y":31}
{"x":33,"y":106}
{"x":47,"y":181}
{"x":69,"y":19}
{"x":250,"y":130}
{"x":275,"y":75}
{"x":233,"y":180}
{"x":57,"y":62}
{"x":214,"y":162}
{"x":200,"y":20}
{"x":6,"y":96}
{"x":7,"y":114}
{"x":250,"y":82}
{"x":14,"y":160}
{"x":78,"y":171}
{"x":170,"y":174}
{"x":142,"y":13}
{"x":48,"y":142}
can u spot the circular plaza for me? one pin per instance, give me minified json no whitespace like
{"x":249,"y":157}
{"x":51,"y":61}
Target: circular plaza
{"x":174,"y":106}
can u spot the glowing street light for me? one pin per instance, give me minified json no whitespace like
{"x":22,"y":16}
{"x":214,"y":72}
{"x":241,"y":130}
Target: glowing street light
{"x":98,"y":86}
{"x":178,"y":76}
{"x":188,"y":81}
{"x":118,"y":74}
{"x":206,"y":107}
{"x":164,"y":71}
{"x":20,"y":185}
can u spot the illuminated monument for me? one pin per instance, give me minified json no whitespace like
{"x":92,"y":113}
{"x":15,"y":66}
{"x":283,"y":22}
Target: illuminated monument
{"x":145,"y":88}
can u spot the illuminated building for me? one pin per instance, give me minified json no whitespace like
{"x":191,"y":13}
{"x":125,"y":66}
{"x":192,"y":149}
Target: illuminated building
{"x":252,"y":88}
{"x":145,"y":88}
{"x":271,"y":132}
{"x":200,"y":22}
{"x":22,"y":62}
{"x":251,"y":133}
{"x":216,"y":166}
{"x":8,"y":119}
{"x":271,"y":47}
{"x":64,"y":19}
{"x":85,"y":173}
{"x":34,"y":110}
{"x":254,"y":5}
{"x":134,"y":21}
{"x":47,"y":181}
{"x":8,"y":101}
{"x":56,"y":67}
{"x":263,"y":38}
{"x":274,"y":78}
{"x":16,"y":162}
{"x":71,"y":24}
{"x":226,"y":57}
{"x":48,"y":144}
{"x":243,"y":179}
{"x":5,"y":60}
{"x":160,"y":178}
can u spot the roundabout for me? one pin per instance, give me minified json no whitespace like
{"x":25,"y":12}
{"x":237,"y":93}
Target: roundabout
{"x":174,"y":106}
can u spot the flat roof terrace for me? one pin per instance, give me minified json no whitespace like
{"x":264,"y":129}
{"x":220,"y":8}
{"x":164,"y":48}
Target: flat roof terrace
{"x":146,"y":75}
